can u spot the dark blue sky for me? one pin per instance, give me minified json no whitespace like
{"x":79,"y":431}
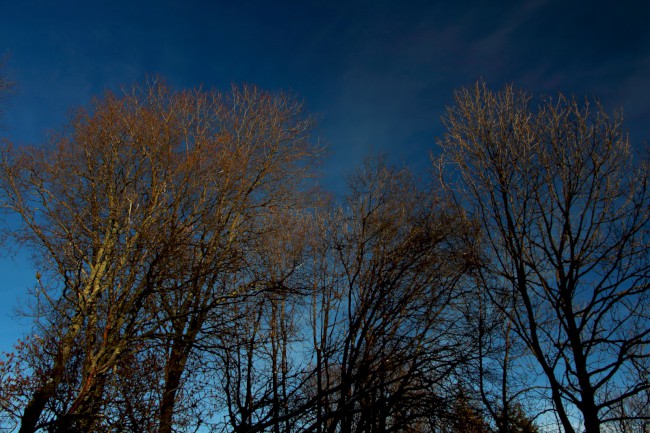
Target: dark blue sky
{"x":378,"y":74}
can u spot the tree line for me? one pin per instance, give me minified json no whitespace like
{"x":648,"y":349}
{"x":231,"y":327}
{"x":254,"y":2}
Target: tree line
{"x":192,"y":276}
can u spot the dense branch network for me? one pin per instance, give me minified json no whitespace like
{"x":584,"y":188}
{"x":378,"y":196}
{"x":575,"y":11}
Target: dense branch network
{"x":192,"y":277}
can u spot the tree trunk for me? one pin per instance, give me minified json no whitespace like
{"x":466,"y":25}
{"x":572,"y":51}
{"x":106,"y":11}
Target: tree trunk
{"x":175,"y":369}
{"x":36,"y":405}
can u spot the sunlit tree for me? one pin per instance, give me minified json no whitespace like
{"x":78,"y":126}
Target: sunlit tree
{"x":140,"y":216}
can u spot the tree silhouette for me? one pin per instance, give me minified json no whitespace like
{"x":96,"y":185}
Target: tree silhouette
{"x":565,"y":216}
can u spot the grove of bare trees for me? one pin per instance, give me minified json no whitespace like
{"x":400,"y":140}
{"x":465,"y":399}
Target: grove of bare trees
{"x":192,"y":276}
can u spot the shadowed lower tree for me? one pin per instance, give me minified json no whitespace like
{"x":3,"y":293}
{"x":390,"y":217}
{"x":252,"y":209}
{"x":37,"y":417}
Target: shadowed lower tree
{"x":498,"y":374}
{"x":256,"y":369}
{"x":387,"y":280}
{"x":565,"y":214}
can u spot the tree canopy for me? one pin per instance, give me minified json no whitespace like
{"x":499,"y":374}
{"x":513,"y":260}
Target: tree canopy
{"x":192,"y":276}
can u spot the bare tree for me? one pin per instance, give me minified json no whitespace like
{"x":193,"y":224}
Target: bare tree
{"x":258,"y":170}
{"x":384,"y":315}
{"x":565,"y":216}
{"x":91,"y":208}
{"x":140,"y":216}
{"x":259,"y":376}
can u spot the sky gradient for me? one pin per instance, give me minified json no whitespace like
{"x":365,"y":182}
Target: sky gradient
{"x":378,"y":74}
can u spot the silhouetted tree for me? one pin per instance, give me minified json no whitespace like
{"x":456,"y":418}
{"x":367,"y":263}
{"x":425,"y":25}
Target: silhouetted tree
{"x":498,"y":375}
{"x":384,"y":317}
{"x":565,"y":216}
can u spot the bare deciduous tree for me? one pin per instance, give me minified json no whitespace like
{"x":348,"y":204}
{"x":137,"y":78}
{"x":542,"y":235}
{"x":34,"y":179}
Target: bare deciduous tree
{"x":384,"y":315}
{"x":141,"y":215}
{"x":565,"y":214}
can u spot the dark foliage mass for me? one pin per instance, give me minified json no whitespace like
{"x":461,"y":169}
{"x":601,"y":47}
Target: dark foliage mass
{"x":192,"y":277}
